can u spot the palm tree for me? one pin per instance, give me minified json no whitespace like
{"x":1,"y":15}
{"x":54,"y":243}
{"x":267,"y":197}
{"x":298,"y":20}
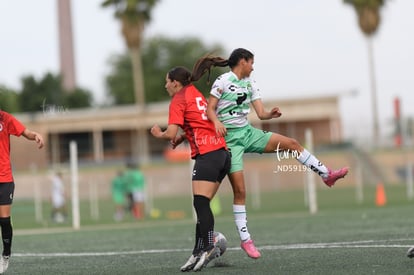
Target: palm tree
{"x":368,"y":12}
{"x":133,"y":15}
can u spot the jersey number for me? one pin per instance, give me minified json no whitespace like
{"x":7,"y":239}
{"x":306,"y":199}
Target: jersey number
{"x":201,"y":105}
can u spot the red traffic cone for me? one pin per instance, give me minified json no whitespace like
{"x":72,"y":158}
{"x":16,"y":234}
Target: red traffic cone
{"x":381,"y":198}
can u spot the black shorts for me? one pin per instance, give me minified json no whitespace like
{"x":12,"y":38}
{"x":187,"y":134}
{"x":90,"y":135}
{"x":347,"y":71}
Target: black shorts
{"x":6,"y":193}
{"x":212,"y":166}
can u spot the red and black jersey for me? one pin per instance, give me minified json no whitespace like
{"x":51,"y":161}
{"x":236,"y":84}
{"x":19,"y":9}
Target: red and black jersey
{"x":188,"y":110}
{"x":9,"y":125}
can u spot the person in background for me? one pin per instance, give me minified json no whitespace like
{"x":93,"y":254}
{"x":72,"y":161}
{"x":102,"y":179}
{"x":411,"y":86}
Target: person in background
{"x":135,"y":187}
{"x":9,"y":125}
{"x":229,"y":103}
{"x":187,"y":110}
{"x":58,"y":198}
{"x":119,"y":194}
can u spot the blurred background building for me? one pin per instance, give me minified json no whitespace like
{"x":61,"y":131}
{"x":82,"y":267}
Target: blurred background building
{"x":113,"y":134}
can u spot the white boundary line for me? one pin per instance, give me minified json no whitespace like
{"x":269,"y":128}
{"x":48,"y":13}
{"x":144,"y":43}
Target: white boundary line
{"x":351,"y":244}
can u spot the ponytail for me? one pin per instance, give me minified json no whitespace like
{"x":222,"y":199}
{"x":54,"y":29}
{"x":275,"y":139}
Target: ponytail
{"x":204,"y":65}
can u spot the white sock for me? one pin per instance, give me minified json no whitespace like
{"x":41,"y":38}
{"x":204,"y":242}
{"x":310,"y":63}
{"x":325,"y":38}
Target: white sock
{"x":313,"y":163}
{"x":240,"y":218}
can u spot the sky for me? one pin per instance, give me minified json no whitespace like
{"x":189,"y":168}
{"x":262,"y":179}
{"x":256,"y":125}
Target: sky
{"x":302,"y":48}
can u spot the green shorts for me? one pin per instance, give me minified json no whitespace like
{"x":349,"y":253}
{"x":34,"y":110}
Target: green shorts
{"x":245,"y":140}
{"x":118,"y":197}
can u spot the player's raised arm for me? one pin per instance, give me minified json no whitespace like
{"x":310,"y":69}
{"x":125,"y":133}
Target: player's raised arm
{"x":262,"y":113}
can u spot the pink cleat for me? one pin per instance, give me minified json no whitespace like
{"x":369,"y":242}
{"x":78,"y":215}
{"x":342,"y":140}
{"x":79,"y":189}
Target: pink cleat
{"x":333,"y":176}
{"x":250,"y":249}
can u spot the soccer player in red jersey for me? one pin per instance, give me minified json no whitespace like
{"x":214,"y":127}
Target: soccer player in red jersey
{"x":9,"y":125}
{"x":212,"y":160}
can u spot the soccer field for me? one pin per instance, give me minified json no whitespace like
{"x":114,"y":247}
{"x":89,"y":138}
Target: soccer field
{"x":342,"y":238}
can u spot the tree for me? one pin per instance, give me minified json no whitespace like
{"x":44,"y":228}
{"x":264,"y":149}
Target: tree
{"x":159,"y":55}
{"x":119,"y":82}
{"x":368,"y":12}
{"x":48,"y":93}
{"x":78,"y":98}
{"x":35,"y":94}
{"x":8,"y":100}
{"x":133,"y":15}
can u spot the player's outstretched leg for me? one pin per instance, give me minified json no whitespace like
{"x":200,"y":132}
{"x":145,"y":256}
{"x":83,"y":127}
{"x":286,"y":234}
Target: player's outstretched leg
{"x":334,"y":175}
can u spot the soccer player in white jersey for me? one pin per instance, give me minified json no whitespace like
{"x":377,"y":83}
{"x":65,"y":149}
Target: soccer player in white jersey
{"x":231,"y":96}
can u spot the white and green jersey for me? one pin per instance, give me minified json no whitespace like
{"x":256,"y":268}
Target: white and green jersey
{"x":234,"y":97}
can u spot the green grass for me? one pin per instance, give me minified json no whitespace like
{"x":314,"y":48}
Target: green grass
{"x":344,"y":237}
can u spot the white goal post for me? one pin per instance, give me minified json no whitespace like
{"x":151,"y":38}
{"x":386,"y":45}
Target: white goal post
{"x":73,"y":151}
